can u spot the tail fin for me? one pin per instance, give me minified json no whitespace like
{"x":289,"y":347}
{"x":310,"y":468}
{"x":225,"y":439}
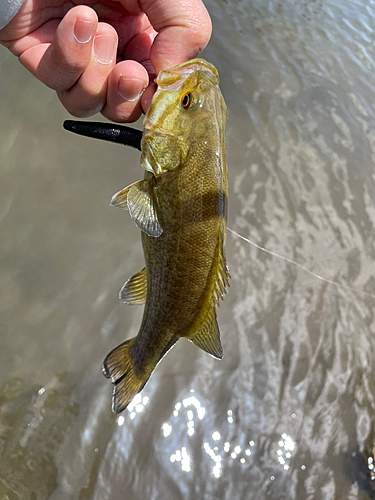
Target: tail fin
{"x":118,"y":366}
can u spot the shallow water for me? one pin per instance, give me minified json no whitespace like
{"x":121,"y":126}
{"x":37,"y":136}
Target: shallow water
{"x":289,"y":412}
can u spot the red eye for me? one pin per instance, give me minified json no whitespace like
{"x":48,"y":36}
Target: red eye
{"x":186,"y":101}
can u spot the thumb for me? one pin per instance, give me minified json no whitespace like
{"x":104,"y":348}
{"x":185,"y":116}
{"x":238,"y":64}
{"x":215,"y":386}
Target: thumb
{"x":184,"y":29}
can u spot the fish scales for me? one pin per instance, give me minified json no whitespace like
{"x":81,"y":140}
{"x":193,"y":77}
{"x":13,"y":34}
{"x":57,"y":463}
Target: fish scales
{"x":180,"y":206}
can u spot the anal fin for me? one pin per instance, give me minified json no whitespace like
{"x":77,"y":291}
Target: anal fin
{"x":135,"y":289}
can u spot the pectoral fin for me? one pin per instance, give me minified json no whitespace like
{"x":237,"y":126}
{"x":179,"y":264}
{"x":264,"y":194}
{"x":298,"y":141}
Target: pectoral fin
{"x":135,"y":289}
{"x":142,"y":209}
{"x":207,"y":337}
{"x":139,"y":199}
{"x":120,"y":199}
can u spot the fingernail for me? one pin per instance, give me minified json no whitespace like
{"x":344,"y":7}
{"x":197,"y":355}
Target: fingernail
{"x":104,"y":48}
{"x":130,"y":89}
{"x":83,"y":30}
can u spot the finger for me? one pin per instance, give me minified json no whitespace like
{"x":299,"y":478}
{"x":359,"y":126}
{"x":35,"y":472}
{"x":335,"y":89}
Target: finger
{"x":183,"y":31}
{"x":138,"y":49}
{"x":126,"y":84}
{"x":30,"y":17}
{"x":147,"y":97}
{"x":88,"y":96}
{"x":60,"y":64}
{"x":42,"y":35}
{"x":128,"y":27}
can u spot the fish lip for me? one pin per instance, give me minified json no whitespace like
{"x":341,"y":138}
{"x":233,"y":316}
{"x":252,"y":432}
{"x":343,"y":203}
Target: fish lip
{"x":197,"y":64}
{"x":187,"y":68}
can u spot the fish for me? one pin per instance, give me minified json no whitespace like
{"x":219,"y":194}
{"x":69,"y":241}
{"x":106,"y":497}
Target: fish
{"x":180,"y":206}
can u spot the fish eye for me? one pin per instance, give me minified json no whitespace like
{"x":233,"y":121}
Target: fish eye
{"x":186,"y":100}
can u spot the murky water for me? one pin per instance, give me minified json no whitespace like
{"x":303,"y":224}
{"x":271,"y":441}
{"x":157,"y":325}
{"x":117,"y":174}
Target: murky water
{"x":289,"y":412}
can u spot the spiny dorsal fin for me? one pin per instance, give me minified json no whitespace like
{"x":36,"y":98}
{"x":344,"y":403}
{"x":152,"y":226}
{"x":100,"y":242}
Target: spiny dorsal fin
{"x":142,"y":208}
{"x":135,"y":289}
{"x":222,"y":281}
{"x":223,"y":275}
{"x":207,"y":337}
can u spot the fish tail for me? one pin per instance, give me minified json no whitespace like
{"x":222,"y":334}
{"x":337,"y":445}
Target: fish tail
{"x":119,"y":367}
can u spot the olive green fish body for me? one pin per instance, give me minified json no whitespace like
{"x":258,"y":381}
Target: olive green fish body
{"x":181,"y":208}
{"x":181,"y":264}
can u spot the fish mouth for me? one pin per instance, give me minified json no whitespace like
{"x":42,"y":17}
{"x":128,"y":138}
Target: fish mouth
{"x":182,"y":71}
{"x":194,"y":65}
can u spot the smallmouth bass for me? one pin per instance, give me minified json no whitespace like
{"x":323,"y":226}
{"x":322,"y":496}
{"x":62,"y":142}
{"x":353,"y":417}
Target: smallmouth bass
{"x":181,"y":208}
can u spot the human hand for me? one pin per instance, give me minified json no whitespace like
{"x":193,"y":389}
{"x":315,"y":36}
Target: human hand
{"x":102,"y":56}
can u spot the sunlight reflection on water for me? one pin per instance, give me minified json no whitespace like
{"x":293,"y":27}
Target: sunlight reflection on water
{"x":289,"y":411}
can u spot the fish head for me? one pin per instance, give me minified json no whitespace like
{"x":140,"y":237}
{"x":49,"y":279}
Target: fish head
{"x":186,"y":106}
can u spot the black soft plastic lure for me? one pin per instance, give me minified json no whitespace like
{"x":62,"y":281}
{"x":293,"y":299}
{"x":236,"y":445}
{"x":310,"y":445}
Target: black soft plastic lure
{"x":107,"y":132}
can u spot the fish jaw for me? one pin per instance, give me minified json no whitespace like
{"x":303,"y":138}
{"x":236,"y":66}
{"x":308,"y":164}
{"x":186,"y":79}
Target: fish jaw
{"x":166,"y":114}
{"x":171,"y":129}
{"x":174,"y":76}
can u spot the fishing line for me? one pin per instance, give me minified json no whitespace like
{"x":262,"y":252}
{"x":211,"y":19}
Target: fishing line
{"x":301,"y":266}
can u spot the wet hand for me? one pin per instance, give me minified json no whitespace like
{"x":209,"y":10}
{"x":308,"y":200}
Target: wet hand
{"x":103,"y":56}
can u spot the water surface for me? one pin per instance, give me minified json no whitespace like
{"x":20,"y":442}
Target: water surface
{"x":289,"y":412}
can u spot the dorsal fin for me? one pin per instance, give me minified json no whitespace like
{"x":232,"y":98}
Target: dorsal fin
{"x":223,"y":274}
{"x":135,"y":289}
{"x":207,"y":337}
